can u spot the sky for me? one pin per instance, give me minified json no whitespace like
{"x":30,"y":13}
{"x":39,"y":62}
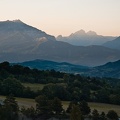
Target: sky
{"x":63,"y":17}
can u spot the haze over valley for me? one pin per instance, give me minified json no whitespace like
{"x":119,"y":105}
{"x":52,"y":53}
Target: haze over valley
{"x":20,"y":42}
{"x":59,"y":60}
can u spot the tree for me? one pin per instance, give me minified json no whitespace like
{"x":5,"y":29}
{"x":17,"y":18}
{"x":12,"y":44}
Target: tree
{"x":75,"y":113}
{"x":29,"y":112}
{"x":10,"y":101}
{"x":103,"y":95}
{"x":5,"y":65}
{"x":71,"y":106}
{"x":10,"y":108}
{"x":43,"y":106}
{"x":54,"y":90}
{"x":115,"y":99}
{"x":12,"y":86}
{"x":85,"y":92}
{"x":66,"y":78}
{"x":102,"y":116}
{"x":57,"y":106}
{"x":95,"y":114}
{"x":112,"y":115}
{"x":85,"y":109}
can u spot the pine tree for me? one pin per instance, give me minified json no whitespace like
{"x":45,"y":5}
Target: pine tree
{"x":75,"y":113}
{"x":95,"y":114}
{"x":112,"y":115}
{"x":10,"y":108}
{"x":85,"y":109}
{"x":57,"y":106}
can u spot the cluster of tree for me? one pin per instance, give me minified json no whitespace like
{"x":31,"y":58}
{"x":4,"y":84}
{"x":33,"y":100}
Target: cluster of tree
{"x":65,"y":86}
{"x":25,"y":74}
{"x":13,"y":86}
{"x":111,"y":115}
{"x":9,"y":109}
{"x":45,"y":108}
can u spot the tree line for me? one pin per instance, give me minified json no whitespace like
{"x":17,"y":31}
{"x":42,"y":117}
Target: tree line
{"x":45,"y":109}
{"x":64,"y":86}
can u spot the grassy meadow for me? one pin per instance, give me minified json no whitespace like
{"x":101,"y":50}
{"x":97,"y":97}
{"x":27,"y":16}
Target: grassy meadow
{"x":34,"y":86}
{"x":30,"y":102}
{"x":99,"y":106}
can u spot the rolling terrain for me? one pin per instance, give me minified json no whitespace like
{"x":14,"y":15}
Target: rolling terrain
{"x":110,"y":69}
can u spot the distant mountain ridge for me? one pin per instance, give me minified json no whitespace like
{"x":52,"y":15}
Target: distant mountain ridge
{"x":114,"y":44}
{"x":49,"y":65}
{"x":82,"y":38}
{"x":20,"y":42}
{"x":110,"y":69}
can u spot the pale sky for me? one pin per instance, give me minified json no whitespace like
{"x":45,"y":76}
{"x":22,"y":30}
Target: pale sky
{"x":64,"y":17}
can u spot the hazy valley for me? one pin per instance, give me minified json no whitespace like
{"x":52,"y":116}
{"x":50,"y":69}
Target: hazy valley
{"x":57,"y":77}
{"x":20,"y":42}
{"x":59,"y":60}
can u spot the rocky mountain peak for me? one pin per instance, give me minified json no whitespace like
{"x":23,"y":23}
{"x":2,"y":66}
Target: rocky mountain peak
{"x":80,"y":32}
{"x":91,"y":33}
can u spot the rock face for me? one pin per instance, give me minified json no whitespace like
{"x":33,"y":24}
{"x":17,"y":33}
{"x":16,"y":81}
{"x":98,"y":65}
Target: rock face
{"x":20,"y":42}
{"x":82,"y":38}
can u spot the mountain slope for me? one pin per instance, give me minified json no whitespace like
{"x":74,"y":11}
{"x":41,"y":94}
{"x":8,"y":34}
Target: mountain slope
{"x":88,"y":56}
{"x":64,"y":52}
{"x":110,"y":69}
{"x":115,"y":44}
{"x":84,"y":39}
{"x":20,"y":42}
{"x":17,"y":36}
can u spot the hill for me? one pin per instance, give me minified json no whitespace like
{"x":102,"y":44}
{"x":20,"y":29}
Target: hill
{"x":82,"y":38}
{"x":110,"y":69}
{"x":114,"y":44}
{"x":49,"y":65}
{"x":20,"y":42}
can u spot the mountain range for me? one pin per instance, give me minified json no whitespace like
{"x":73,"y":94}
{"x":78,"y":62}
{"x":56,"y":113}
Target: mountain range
{"x":20,"y":42}
{"x":110,"y":69}
{"x":50,"y":65}
{"x":82,"y":38}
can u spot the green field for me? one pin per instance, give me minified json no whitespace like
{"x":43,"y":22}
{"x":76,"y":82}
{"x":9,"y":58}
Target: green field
{"x":34,"y":86}
{"x":23,"y":101}
{"x":99,"y":106}
{"x":102,"y":107}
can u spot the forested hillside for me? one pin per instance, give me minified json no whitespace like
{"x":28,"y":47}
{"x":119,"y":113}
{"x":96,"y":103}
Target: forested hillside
{"x":56,"y":84}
